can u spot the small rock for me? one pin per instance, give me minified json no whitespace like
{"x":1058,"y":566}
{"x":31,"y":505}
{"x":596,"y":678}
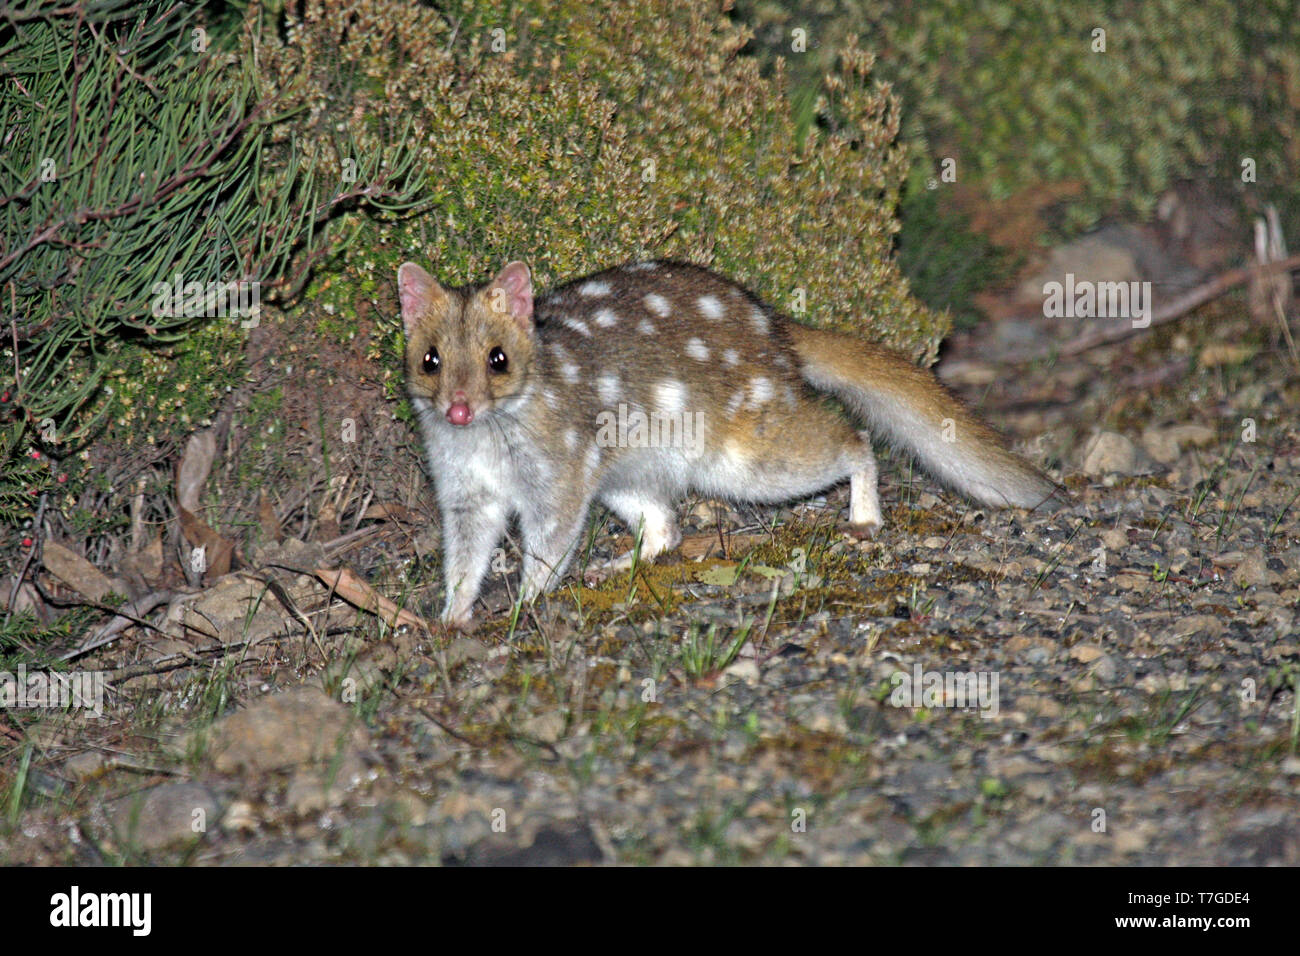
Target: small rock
{"x":1105,"y":668}
{"x":85,"y":765}
{"x":1197,"y":436}
{"x":312,"y":790}
{"x":240,"y":816}
{"x":464,"y":649}
{"x":164,"y":815}
{"x":1161,"y":445}
{"x":1252,"y":571}
{"x":745,"y":670}
{"x":1114,"y":539}
{"x":284,"y":730}
{"x":547,"y":728}
{"x":1129,"y":840}
{"x":1110,"y":452}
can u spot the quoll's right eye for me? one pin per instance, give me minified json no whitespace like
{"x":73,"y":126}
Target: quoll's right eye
{"x":431,"y":361}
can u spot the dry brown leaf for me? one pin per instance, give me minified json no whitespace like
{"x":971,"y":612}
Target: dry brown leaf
{"x":194,"y":468}
{"x":267,"y":520}
{"x":352,"y":589}
{"x":219,"y":550}
{"x":76,"y":572}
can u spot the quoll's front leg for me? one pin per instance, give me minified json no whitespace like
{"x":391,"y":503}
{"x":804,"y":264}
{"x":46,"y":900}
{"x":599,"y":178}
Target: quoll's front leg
{"x":469,"y":536}
{"x":550,"y":538}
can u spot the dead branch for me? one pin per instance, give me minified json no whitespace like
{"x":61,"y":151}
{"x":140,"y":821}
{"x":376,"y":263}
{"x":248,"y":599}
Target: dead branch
{"x":1179,"y":307}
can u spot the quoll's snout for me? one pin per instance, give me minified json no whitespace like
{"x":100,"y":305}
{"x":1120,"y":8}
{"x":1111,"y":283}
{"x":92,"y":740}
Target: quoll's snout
{"x":459,"y":412}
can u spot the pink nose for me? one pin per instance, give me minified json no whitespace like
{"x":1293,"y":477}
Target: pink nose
{"x":460,"y":413}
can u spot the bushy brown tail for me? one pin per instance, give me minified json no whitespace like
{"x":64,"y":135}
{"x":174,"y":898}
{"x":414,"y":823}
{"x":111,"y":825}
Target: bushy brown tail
{"x":908,"y":407}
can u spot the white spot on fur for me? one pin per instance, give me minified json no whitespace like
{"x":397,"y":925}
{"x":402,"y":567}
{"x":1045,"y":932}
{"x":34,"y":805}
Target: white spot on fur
{"x":578,"y":326}
{"x":568,"y":369}
{"x":697,"y":350}
{"x":760,"y":390}
{"x":781,"y":362}
{"x":551,"y":401}
{"x":731,"y":357}
{"x":656,"y":304}
{"x":645,"y":327}
{"x":790,"y":398}
{"x":592,"y":460}
{"x":734,"y":403}
{"x":761,"y":324}
{"x":571,"y":439}
{"x":642,"y":267}
{"x":606,"y":318}
{"x":593,"y":289}
{"x":609,"y":388}
{"x":710,"y":307}
{"x":670,"y":396}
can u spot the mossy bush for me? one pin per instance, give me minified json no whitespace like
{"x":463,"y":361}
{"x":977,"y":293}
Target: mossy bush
{"x":1016,"y":93}
{"x":577,"y":139}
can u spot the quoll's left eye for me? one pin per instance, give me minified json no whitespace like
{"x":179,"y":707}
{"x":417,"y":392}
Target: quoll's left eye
{"x":497,"y":360}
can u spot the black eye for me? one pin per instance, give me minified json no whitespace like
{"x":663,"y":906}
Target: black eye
{"x":497,"y":361}
{"x":431,"y":362}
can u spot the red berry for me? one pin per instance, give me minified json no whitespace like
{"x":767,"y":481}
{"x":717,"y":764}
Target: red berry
{"x":36,"y":454}
{"x":27,"y":542}
{"x":62,"y":479}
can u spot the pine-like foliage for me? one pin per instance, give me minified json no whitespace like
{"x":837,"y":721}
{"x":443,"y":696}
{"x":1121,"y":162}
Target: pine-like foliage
{"x":134,"y":160}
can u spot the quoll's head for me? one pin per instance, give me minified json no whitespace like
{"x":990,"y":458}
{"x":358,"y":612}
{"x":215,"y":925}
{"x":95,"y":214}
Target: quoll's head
{"x":467,"y":349}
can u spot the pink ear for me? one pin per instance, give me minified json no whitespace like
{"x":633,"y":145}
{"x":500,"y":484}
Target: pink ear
{"x":513,"y":288}
{"x":417,"y":291}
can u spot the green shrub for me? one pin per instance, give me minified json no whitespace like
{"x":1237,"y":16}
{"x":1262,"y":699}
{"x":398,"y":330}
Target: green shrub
{"x":944,"y":260}
{"x":1014,"y":92}
{"x":576,"y":141}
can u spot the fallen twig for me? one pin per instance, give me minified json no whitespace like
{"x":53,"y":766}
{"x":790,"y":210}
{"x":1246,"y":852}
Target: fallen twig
{"x":1176,"y":309}
{"x":124,"y":617}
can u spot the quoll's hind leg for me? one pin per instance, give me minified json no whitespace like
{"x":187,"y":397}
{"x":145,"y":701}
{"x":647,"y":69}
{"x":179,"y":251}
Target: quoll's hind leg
{"x":653,"y":517}
{"x":806,"y":452}
{"x":865,"y":518}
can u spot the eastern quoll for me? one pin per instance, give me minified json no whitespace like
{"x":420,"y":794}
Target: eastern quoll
{"x":638,"y":385}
